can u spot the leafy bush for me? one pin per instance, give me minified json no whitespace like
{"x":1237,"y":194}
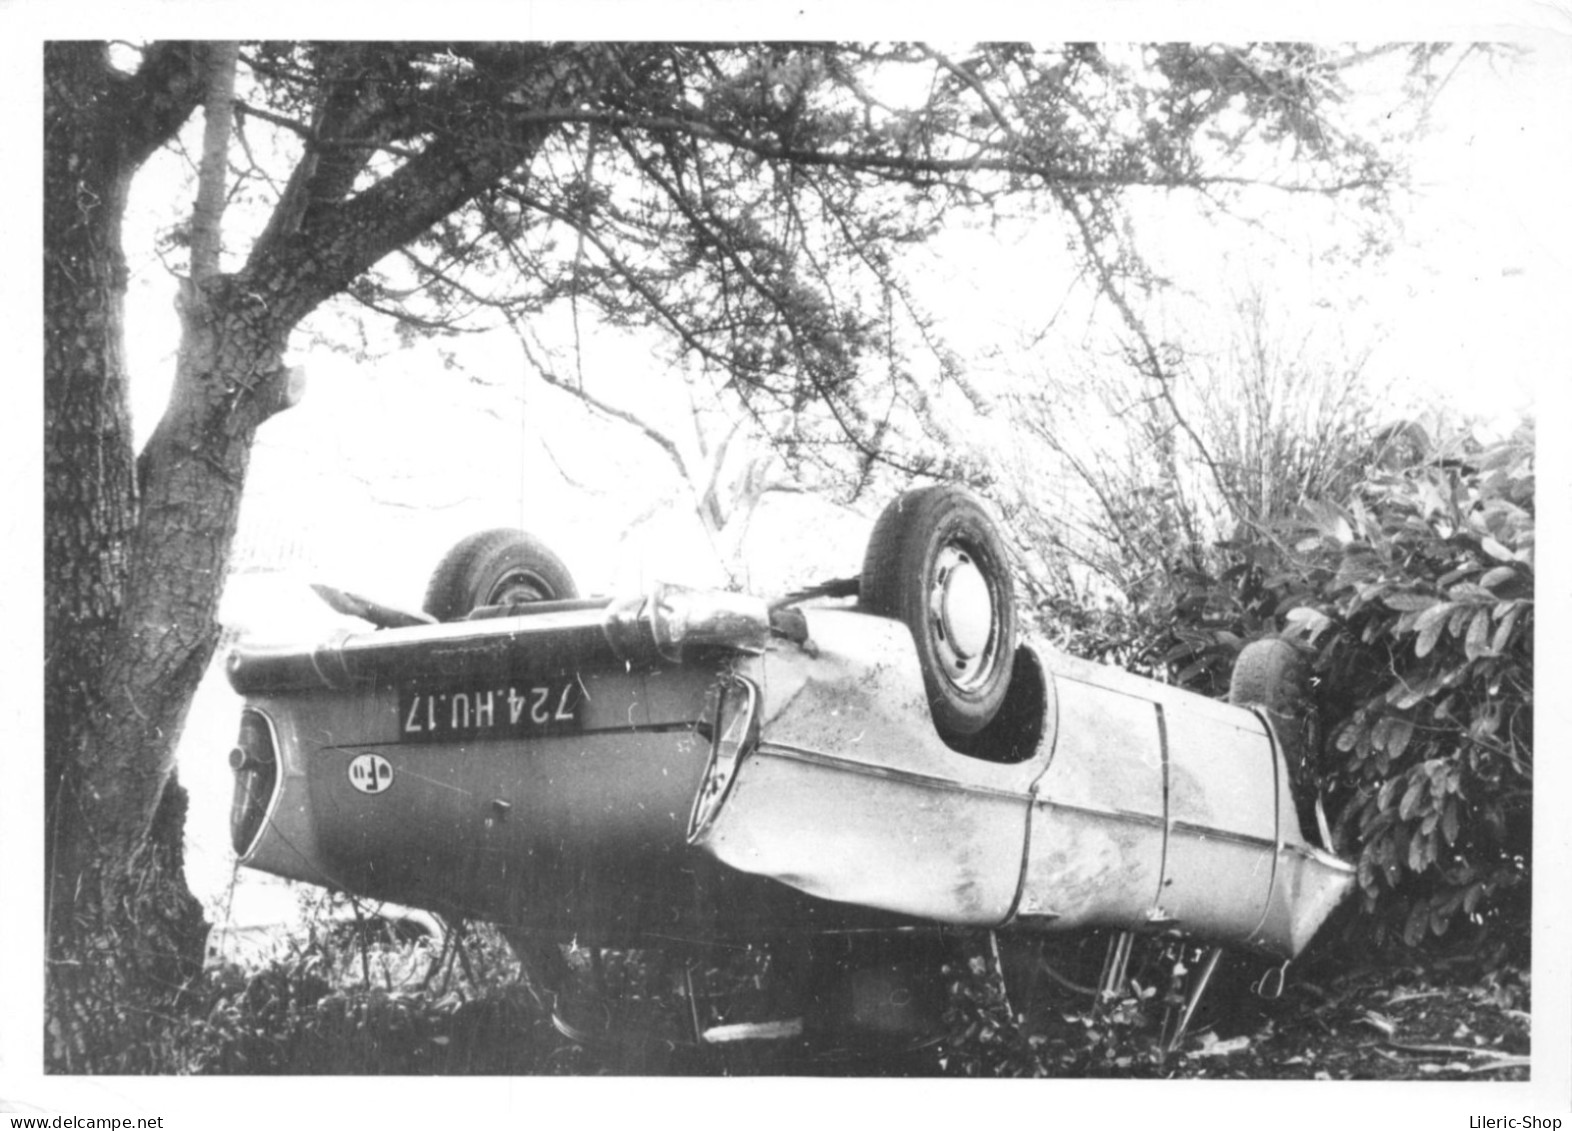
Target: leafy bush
{"x":1413,"y":595}
{"x":1418,"y":600}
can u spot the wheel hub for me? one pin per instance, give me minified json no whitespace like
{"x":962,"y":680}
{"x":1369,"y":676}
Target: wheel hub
{"x":517,"y":589}
{"x":963,"y":616}
{"x":967,"y":609}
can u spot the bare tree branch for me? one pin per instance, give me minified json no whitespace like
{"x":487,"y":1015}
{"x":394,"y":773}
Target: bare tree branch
{"x":208,"y":213}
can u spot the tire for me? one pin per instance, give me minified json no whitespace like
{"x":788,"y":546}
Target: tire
{"x":496,"y":567}
{"x":936,"y":563}
{"x":1271,"y":675}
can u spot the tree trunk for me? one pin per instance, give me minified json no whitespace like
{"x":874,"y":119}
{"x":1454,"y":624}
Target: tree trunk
{"x":137,"y":549}
{"x":124,"y":932}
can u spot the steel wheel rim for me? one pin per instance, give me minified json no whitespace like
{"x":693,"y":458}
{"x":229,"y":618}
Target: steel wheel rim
{"x":518,"y":587}
{"x":963,"y":617}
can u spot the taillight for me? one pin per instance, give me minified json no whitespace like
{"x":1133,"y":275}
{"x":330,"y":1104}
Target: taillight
{"x":735,"y":730}
{"x":255,"y":762}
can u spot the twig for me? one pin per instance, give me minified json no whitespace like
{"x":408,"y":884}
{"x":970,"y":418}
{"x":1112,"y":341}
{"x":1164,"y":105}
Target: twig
{"x":1463,"y":1049}
{"x":1505,"y":1063}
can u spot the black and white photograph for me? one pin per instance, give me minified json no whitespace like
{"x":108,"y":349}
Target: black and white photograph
{"x":840,"y":550}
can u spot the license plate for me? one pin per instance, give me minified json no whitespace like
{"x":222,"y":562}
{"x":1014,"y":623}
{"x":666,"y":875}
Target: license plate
{"x":511,"y":710}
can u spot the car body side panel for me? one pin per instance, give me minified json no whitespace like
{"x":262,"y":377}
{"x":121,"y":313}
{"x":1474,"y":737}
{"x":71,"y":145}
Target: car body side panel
{"x":1224,"y":823}
{"x":851,"y":796}
{"x":1173,"y":813}
{"x":507,"y":834}
{"x":587,"y":825}
{"x":1095,"y":855}
{"x":855,"y":690}
{"x":854,"y":833}
{"x":1222,"y":775}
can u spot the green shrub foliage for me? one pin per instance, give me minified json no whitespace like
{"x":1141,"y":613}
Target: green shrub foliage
{"x":1413,"y":594}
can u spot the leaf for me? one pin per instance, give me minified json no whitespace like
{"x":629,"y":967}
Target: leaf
{"x":1421,"y":852}
{"x":1496,"y":576}
{"x":1331,"y":522}
{"x":1503,"y":634}
{"x":1487,"y":722}
{"x":1435,"y":613}
{"x":1496,"y":549}
{"x":1429,"y":626}
{"x":1411,"y":799}
{"x":1477,"y":642}
{"x":1409,"y":602}
{"x":1310,"y":621}
{"x":1469,"y":591}
{"x":1397,"y":738}
{"x":1430,"y":497}
{"x":1403,"y":696}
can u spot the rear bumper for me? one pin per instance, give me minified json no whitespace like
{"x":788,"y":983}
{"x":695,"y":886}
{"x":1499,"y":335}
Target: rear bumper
{"x":666,"y":626}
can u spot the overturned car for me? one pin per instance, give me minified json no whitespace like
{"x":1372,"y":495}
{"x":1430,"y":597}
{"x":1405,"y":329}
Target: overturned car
{"x":686,"y":766}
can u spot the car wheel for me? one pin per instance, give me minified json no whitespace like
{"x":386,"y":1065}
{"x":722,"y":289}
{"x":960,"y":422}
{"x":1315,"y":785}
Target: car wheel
{"x":936,"y":562}
{"x":496,"y":567}
{"x":1271,"y":674}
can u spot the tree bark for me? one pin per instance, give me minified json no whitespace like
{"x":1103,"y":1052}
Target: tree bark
{"x":119,"y":912}
{"x":207,"y":216}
